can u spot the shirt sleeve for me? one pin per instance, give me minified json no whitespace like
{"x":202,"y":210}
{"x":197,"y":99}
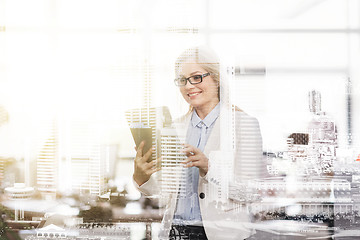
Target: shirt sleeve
{"x":148,"y":188}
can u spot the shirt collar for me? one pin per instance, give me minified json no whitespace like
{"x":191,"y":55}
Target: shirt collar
{"x":208,"y":120}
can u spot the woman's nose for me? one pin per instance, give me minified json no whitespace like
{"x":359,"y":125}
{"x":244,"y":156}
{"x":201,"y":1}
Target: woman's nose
{"x":189,"y":85}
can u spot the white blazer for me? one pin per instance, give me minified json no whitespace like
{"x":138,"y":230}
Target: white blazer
{"x":223,"y":218}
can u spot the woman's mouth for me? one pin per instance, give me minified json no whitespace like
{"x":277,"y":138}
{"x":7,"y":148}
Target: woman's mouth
{"x":193,"y":94}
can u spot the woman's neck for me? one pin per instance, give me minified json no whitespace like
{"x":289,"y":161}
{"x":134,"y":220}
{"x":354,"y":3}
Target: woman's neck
{"x":202,"y":112}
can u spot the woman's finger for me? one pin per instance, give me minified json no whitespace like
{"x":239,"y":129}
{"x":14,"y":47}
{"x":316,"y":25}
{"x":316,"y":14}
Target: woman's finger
{"x":191,"y":164}
{"x":189,"y":149}
{"x":147,"y":155}
{"x":153,"y":170}
{"x":189,"y":154}
{"x":149,"y":165}
{"x":139,"y":150}
{"x":196,"y":151}
{"x":187,"y":146}
{"x":191,"y":159}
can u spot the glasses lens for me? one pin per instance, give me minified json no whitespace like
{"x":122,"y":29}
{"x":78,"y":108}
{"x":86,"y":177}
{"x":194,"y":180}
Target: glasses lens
{"x":180,"y":81}
{"x":196,"y":79}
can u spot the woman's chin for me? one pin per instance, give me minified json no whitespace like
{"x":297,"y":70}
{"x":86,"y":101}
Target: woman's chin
{"x":194,"y":104}
{"x":197,"y":106}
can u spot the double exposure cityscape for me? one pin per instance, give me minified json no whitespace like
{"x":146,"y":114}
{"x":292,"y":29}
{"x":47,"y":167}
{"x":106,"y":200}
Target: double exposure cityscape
{"x":80,"y":81}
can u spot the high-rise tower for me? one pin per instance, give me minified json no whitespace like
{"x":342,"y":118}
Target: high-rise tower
{"x":85,"y":159}
{"x":47,"y":164}
{"x":322,"y":137}
{"x":173,"y":173}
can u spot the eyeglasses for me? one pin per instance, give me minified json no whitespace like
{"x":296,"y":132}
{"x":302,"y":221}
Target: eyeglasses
{"x":196,"y":79}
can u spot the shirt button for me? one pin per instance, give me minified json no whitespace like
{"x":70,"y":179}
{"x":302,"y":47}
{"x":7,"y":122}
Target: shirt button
{"x":202,"y":195}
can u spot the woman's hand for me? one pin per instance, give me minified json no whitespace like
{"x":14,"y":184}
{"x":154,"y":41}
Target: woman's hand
{"x":196,"y":158}
{"x":142,"y":168}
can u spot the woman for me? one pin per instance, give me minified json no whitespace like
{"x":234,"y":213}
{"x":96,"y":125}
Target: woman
{"x":205,"y":210}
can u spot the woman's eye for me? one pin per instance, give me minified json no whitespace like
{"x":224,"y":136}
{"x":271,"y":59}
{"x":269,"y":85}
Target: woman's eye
{"x":197,"y":77}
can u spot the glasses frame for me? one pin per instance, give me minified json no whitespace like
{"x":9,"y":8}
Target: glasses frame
{"x":192,"y":83}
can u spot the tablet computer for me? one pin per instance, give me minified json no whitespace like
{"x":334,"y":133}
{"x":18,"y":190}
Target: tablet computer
{"x":141,"y":133}
{"x":145,"y":125}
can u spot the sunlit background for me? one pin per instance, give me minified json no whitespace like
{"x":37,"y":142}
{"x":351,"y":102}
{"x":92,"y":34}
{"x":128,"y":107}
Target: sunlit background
{"x":69,"y":69}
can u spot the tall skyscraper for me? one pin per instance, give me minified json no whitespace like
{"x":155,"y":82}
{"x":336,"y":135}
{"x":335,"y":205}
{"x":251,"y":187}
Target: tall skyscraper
{"x":47,"y":164}
{"x":47,"y":168}
{"x":2,"y":170}
{"x":322,"y":137}
{"x":172,"y":176}
{"x":86,"y":159}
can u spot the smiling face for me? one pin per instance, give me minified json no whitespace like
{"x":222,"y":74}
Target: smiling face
{"x":203,"y":96}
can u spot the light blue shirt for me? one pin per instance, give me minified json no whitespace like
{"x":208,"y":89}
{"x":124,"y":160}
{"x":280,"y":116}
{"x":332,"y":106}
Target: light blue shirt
{"x":188,"y":209}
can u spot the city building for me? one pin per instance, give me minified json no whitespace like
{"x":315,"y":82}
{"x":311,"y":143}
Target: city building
{"x":85,"y":167}
{"x":323,"y":140}
{"x":86,"y":231}
{"x":48,"y":168}
{"x":19,"y":193}
{"x":2,"y":169}
{"x":172,"y":173}
{"x":315,"y":195}
{"x":51,"y":232}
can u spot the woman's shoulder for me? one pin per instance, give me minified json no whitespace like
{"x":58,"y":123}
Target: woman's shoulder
{"x":239,"y":113}
{"x":242,"y":114}
{"x":244,"y":118}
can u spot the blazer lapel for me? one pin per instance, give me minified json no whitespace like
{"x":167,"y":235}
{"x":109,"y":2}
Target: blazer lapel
{"x":213,"y":142}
